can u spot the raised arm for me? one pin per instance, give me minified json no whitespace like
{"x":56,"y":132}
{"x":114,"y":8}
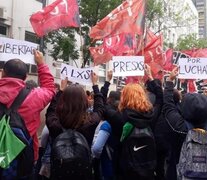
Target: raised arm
{"x":52,"y":120}
{"x":171,"y":113}
{"x":98,"y":97}
{"x":45,"y":93}
{"x":105,"y":88}
{"x":155,"y":87}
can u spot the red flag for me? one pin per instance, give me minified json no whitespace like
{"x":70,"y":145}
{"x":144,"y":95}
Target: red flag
{"x":153,"y":54}
{"x":99,"y":55}
{"x":150,"y":36}
{"x":196,"y":52}
{"x":126,"y":18}
{"x":119,"y":44}
{"x":61,"y":13}
{"x":168,"y":58}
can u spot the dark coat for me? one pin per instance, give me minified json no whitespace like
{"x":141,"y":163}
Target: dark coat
{"x":88,"y":128}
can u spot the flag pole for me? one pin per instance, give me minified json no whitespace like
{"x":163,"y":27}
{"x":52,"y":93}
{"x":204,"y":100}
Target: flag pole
{"x":42,"y":39}
{"x":81,"y":46}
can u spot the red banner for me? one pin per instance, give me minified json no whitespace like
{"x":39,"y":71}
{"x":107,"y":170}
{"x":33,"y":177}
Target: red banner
{"x":172,"y":59}
{"x":126,"y":18}
{"x":61,"y":13}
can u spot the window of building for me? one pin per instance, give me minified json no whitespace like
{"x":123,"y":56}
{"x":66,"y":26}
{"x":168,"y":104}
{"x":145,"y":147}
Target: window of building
{"x":31,"y":37}
{"x":200,"y":3}
{"x":201,"y":13}
{"x":102,"y":73}
{"x":3,"y":30}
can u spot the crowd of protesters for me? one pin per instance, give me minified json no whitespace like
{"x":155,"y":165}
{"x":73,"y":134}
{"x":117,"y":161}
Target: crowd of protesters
{"x":105,"y":121}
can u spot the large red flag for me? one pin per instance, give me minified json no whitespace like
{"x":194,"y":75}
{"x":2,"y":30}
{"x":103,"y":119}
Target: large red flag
{"x":61,"y":13}
{"x":99,"y":55}
{"x":126,"y":18}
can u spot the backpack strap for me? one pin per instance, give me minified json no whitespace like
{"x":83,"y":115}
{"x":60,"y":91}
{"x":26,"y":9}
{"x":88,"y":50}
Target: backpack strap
{"x":18,"y":100}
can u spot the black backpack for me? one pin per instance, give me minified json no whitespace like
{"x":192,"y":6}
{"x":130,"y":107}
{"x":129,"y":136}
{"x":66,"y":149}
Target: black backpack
{"x":138,"y":152}
{"x":71,"y":157}
{"x":22,"y":165}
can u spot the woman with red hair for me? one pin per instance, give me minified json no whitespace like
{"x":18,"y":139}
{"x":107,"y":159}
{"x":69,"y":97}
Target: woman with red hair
{"x":136,"y":113}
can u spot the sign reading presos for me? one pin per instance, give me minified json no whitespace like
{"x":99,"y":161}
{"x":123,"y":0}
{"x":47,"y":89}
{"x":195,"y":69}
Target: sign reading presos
{"x":17,"y":49}
{"x":78,"y":75}
{"x":128,"y":65}
{"x":193,"y":68}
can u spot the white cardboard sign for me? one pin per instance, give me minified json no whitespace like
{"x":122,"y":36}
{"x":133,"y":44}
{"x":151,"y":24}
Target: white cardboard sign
{"x":17,"y":49}
{"x":128,"y":65}
{"x":193,"y":68}
{"x":78,"y":75}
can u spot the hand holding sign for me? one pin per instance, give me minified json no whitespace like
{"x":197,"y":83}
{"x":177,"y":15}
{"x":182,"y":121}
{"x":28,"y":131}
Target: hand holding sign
{"x":174,"y":73}
{"x":94,"y":78}
{"x":63,"y":84}
{"x":38,"y":57}
{"x":109,"y":75}
{"x":148,"y":72}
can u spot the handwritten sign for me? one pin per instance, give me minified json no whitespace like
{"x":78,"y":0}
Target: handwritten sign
{"x":16,"y":49}
{"x":128,"y":66}
{"x":193,"y":68}
{"x":78,"y":75}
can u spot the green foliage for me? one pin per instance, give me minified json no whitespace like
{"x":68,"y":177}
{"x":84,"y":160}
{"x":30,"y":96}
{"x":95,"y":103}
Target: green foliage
{"x":64,"y":44}
{"x":91,"y":12}
{"x":154,"y":11}
{"x":191,"y":41}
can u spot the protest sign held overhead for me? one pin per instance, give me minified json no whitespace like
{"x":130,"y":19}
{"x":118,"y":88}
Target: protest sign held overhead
{"x":16,"y":49}
{"x":77,"y":75}
{"x":128,"y":66}
{"x":61,"y":13}
{"x":193,"y":68}
{"x":126,"y":18}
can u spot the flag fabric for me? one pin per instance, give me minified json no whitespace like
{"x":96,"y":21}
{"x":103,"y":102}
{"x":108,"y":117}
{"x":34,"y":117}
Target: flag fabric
{"x":126,"y":18}
{"x":120,"y":44}
{"x":99,"y":55}
{"x":150,"y":36}
{"x":196,"y":52}
{"x":153,"y":54}
{"x":168,"y":60}
{"x":61,"y":13}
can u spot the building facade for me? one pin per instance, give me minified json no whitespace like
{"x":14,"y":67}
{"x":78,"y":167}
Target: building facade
{"x":201,"y":6}
{"x":180,"y":18}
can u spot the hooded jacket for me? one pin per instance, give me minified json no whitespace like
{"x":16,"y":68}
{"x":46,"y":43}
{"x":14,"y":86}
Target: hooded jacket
{"x":138,"y":119}
{"x":34,"y":103}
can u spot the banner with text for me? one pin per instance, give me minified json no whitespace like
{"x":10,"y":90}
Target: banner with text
{"x":128,"y":65}
{"x":17,"y":49}
{"x":193,"y":68}
{"x":78,"y":75}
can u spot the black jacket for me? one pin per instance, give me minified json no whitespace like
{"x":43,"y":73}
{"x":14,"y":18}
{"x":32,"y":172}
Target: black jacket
{"x":88,"y":128}
{"x":171,"y":112}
